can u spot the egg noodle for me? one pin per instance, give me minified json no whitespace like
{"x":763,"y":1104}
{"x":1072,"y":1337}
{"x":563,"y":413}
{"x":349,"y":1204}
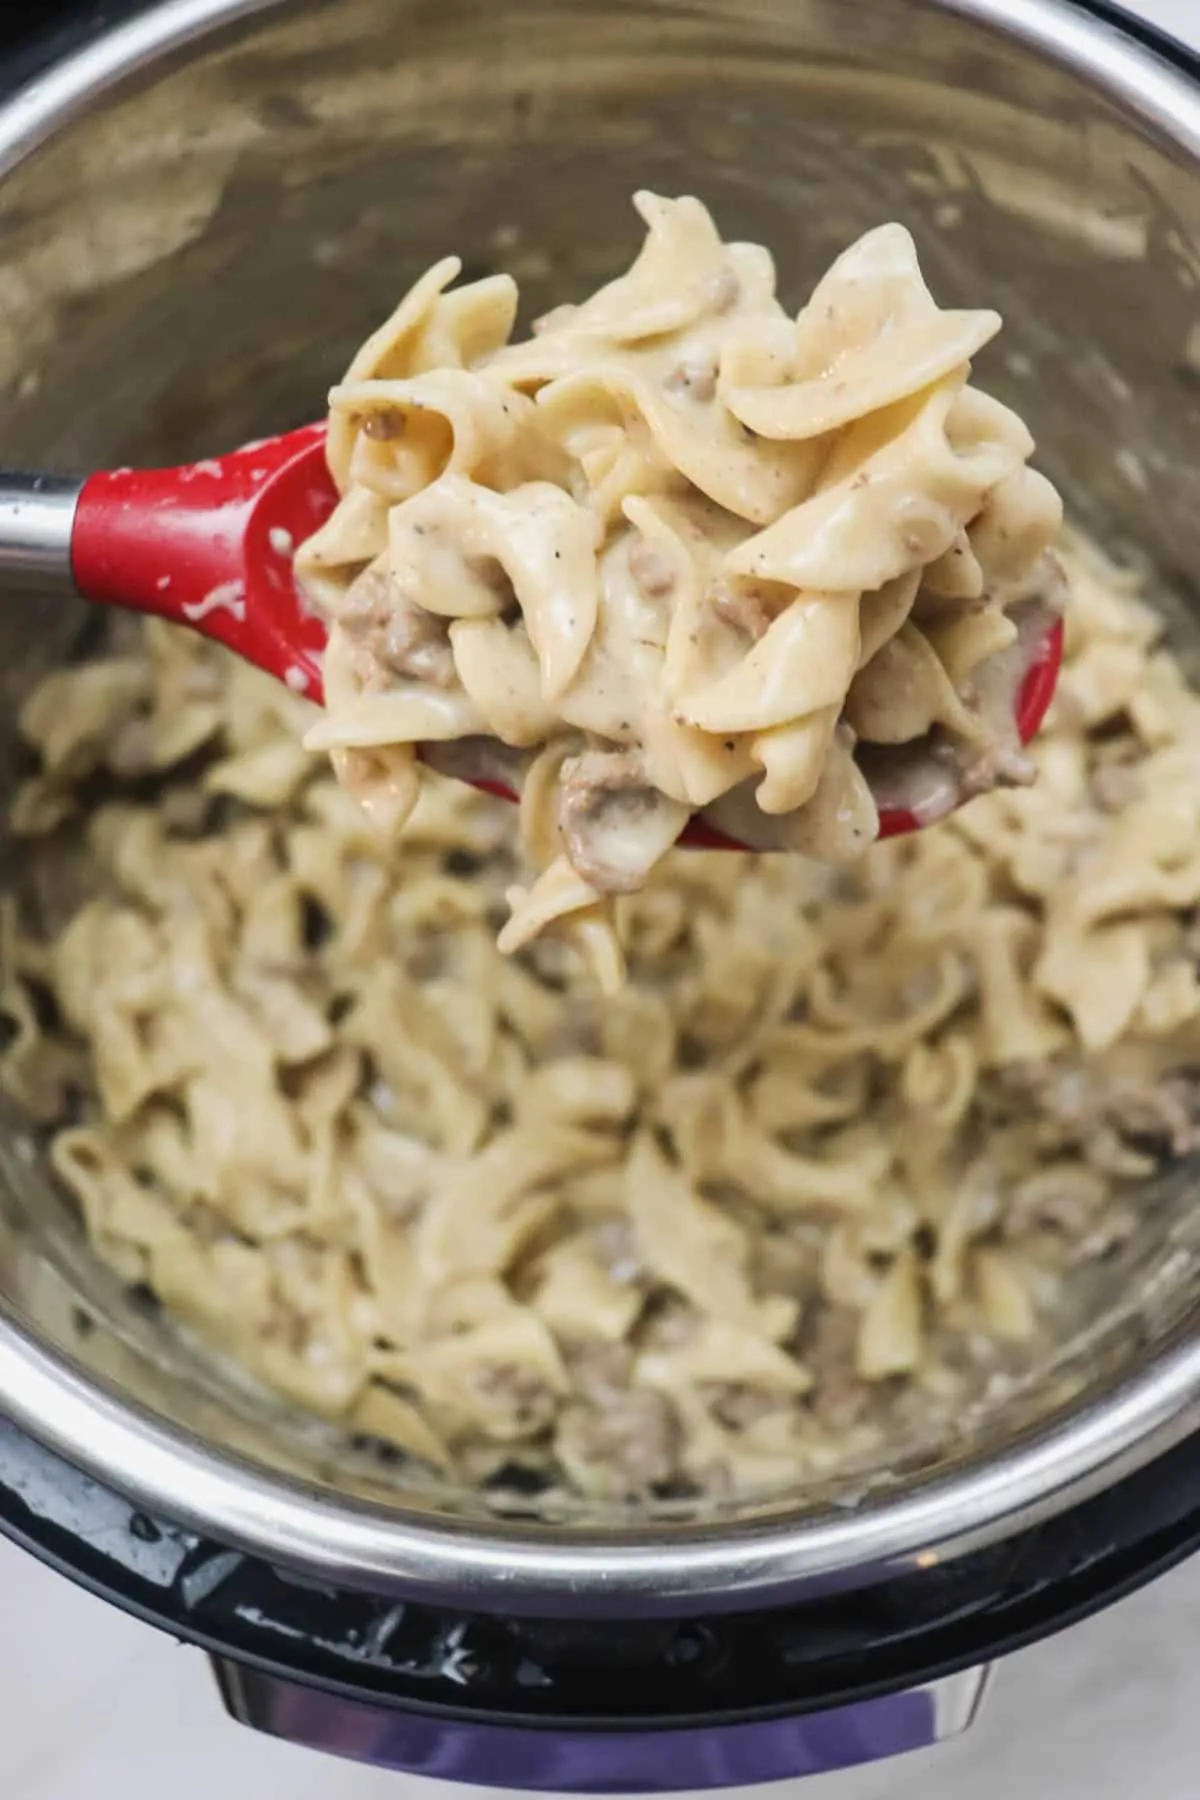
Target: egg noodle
{"x":679,"y":553}
{"x":832,"y":1159}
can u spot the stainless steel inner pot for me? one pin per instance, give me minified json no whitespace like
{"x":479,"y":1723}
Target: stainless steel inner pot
{"x":204,"y":212}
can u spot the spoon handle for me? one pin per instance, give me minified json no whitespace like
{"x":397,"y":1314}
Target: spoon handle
{"x":37,"y":518}
{"x":208,"y":545}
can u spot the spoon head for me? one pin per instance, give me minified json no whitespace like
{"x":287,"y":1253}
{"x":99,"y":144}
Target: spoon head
{"x":295,"y":495}
{"x":293,"y":500}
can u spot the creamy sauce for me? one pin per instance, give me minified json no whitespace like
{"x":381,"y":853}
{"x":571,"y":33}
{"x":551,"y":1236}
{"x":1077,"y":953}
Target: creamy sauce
{"x":229,"y":596}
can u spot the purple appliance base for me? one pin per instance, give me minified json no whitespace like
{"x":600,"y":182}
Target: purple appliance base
{"x":572,"y":1761}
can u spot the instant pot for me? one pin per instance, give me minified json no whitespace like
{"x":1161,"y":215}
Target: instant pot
{"x":204,"y":206}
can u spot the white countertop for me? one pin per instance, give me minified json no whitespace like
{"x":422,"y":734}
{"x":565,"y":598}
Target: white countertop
{"x":96,"y":1707}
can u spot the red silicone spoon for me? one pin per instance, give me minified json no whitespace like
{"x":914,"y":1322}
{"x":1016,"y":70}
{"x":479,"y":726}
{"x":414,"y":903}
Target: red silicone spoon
{"x":210,"y":545}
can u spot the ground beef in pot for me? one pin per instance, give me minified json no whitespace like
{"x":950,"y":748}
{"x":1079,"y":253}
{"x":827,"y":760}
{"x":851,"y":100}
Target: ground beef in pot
{"x":616,"y":1440}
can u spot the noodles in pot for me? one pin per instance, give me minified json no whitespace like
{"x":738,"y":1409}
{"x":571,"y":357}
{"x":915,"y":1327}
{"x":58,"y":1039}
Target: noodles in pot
{"x":840,"y":1147}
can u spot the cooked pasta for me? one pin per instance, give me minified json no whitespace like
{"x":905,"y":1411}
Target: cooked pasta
{"x":838,"y":1151}
{"x":679,"y":553}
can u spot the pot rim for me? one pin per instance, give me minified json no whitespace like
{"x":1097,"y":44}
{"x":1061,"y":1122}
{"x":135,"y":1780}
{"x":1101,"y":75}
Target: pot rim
{"x":602,"y":1572}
